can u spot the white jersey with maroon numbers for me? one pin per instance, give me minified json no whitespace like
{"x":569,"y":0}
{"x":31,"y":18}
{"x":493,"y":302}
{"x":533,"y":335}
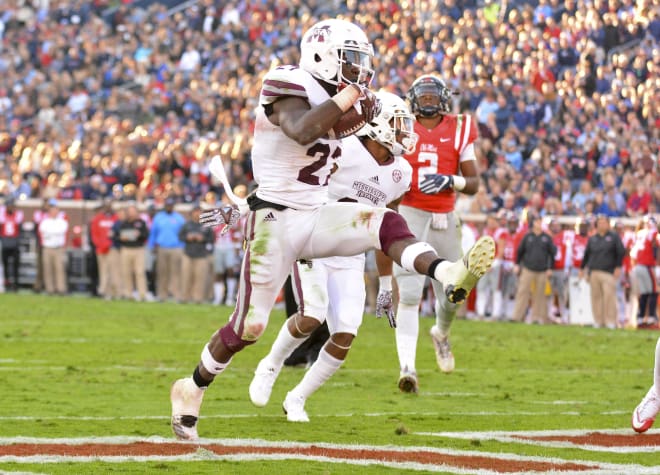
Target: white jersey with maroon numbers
{"x":288,"y":173}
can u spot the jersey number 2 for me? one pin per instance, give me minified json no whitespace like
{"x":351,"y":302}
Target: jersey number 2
{"x":431,"y":168}
{"x":322,"y":150}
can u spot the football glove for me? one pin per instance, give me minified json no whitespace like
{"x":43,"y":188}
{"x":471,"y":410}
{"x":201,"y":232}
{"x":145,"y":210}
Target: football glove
{"x":226,"y":216}
{"x":385,"y":306}
{"x":367,"y":105}
{"x":435,"y":183}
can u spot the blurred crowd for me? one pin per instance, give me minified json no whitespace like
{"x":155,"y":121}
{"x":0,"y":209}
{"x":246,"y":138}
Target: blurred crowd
{"x":130,"y":103}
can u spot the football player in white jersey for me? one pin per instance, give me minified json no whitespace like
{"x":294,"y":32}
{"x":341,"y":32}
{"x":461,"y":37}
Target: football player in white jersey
{"x":371,"y":171}
{"x":295,"y":149}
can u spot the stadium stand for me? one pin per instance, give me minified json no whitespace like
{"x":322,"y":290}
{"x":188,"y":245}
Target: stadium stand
{"x":129,"y":99}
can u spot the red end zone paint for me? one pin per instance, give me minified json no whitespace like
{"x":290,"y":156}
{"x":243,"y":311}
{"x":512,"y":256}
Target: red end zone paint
{"x":134,"y":449}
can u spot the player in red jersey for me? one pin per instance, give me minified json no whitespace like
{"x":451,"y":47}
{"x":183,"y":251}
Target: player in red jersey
{"x":443,"y":163}
{"x":645,"y":256}
{"x":578,"y":243}
{"x":559,"y":277}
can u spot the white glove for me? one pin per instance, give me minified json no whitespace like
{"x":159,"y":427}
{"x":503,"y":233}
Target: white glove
{"x":226,"y":216}
{"x":385,"y":306}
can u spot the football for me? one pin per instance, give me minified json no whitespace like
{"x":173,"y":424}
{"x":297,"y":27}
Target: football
{"x":349,"y":123}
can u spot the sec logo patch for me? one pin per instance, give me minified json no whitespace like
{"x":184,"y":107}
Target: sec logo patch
{"x":397,"y":175}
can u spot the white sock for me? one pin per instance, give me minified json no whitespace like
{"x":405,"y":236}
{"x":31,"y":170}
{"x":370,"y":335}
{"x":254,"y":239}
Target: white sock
{"x":283,"y":345}
{"x":445,"y":311}
{"x":231,"y":288}
{"x":440,"y":269}
{"x":218,"y":291}
{"x":656,"y":375}
{"x":325,"y":366}
{"x":406,"y":332}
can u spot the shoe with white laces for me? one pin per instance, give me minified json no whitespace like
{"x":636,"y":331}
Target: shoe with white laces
{"x":294,"y":408}
{"x":262,"y":384}
{"x":408,"y":381}
{"x":459,"y":278}
{"x":443,"y":354}
{"x":186,"y":398}
{"x":645,"y":413}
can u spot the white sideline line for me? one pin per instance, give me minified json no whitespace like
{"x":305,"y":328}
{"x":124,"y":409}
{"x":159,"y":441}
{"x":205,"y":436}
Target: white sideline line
{"x":514,"y":437}
{"x":560,"y":402}
{"x":348,"y":414}
{"x":203,"y":454}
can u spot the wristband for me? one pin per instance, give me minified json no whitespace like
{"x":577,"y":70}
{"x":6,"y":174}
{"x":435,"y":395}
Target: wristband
{"x":385,"y":282}
{"x":459,"y":183}
{"x":346,"y":98}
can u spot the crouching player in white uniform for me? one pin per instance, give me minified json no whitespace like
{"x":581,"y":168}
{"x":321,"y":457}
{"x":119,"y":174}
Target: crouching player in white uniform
{"x":371,"y":171}
{"x":295,"y":149}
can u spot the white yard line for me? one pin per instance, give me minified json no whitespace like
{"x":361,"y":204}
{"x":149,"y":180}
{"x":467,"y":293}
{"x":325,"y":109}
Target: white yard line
{"x":516,"y":438}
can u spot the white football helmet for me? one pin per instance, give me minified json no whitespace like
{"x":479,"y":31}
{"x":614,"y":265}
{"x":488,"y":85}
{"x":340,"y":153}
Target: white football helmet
{"x":337,"y":52}
{"x":394,"y":127}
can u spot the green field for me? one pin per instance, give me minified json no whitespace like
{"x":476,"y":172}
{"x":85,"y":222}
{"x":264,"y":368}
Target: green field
{"x":77,"y":367}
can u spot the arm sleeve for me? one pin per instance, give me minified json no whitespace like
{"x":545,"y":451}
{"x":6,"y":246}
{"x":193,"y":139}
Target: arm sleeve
{"x":552,"y":254}
{"x":585,"y":258}
{"x":521,"y":250}
{"x":620,"y":250}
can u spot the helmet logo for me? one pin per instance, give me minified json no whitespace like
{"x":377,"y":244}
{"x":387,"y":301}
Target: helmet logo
{"x":319,"y":34}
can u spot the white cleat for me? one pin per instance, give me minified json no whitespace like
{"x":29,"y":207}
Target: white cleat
{"x":459,"y":278}
{"x":262,"y":384}
{"x":443,"y":354}
{"x":294,"y":408}
{"x":186,"y":400}
{"x":645,"y":413}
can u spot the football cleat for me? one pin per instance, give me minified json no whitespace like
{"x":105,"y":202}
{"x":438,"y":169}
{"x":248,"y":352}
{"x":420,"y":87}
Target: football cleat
{"x":408,"y":381}
{"x":186,"y":400}
{"x":459,"y":278}
{"x":645,"y":413}
{"x":294,"y":408}
{"x":443,"y":354}
{"x":262,"y":384}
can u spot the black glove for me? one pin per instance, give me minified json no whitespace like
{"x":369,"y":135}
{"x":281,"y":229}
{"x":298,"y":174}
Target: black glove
{"x":435,"y":183}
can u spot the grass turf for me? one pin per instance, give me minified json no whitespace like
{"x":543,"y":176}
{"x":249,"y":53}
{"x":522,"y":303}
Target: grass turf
{"x":67,"y":358}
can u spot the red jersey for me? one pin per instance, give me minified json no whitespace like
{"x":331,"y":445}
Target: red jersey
{"x":10,"y":224}
{"x":578,"y":246}
{"x":438,"y":151}
{"x":628,"y":240}
{"x":560,"y":242}
{"x":508,"y":245}
{"x":645,"y":247}
{"x":101,"y":232}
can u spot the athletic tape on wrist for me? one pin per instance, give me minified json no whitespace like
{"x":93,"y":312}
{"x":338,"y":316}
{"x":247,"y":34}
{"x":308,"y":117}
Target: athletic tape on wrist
{"x":346,"y":98}
{"x":411,"y":252}
{"x":459,"y":182}
{"x":385,"y":282}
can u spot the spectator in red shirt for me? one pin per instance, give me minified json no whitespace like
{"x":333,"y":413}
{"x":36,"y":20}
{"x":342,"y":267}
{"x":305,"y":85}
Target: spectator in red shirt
{"x":101,"y":236}
{"x":639,"y":200}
